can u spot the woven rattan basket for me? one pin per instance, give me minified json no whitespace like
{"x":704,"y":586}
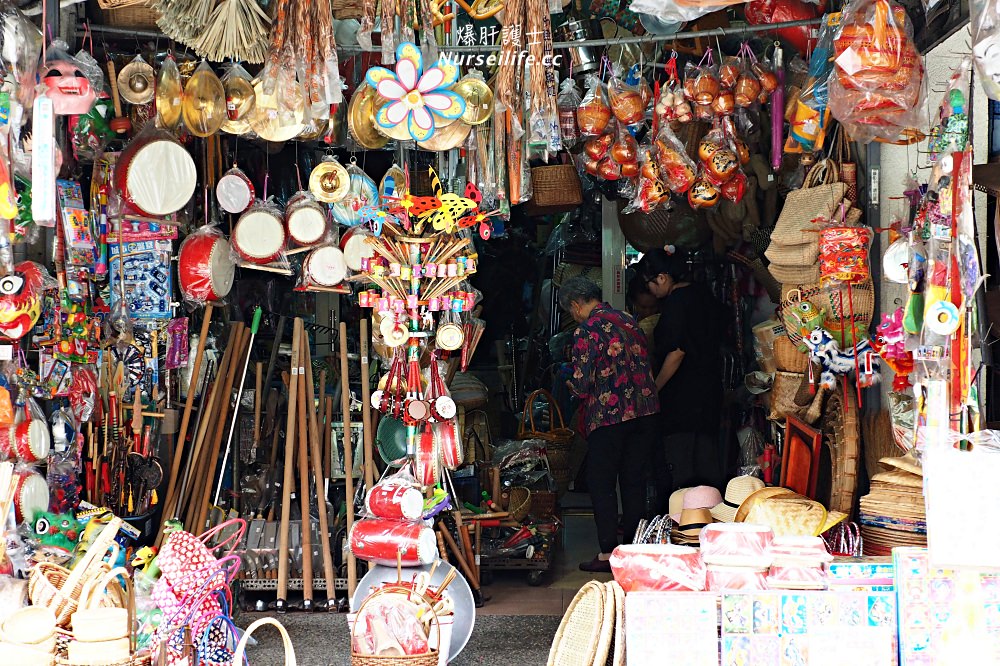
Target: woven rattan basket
{"x":788,"y":358}
{"x":842,"y":433}
{"x":580,"y":633}
{"x":555,"y":189}
{"x":519,"y":504}
{"x":137,"y":15}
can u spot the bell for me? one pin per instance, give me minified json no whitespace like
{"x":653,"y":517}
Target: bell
{"x":135,"y":82}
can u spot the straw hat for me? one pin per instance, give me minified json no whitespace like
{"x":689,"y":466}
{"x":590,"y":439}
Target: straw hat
{"x":757,"y":496}
{"x":907,"y":463}
{"x":737,"y":490}
{"x":676,"y":502}
{"x":793,"y":515}
{"x":699,"y":497}
{"x":689,"y":526}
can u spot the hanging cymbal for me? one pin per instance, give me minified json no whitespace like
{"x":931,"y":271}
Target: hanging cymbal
{"x":136,"y":82}
{"x":204,"y":105}
{"x":169,"y":94}
{"x":361,"y":118}
{"x":446,"y":138}
{"x":478,"y":99}
{"x":276,"y":120}
{"x":329,"y":181}
{"x":240,"y":102}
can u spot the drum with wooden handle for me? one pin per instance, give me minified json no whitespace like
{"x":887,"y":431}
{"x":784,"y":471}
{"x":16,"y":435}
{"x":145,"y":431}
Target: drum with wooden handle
{"x":259,"y":235}
{"x":205,"y":267}
{"x":156,"y":174}
{"x":31,"y":495}
{"x":356,"y":248}
{"x":325,"y":266}
{"x":305,"y":219}
{"x":234,"y":191}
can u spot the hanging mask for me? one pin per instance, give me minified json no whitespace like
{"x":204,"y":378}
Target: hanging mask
{"x":21,"y":299}
{"x":68,"y":88}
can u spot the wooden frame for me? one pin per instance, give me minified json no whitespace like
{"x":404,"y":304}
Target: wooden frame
{"x":801,"y":459}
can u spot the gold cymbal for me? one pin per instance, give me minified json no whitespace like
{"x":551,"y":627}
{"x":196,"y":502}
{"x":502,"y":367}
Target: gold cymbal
{"x":204,"y":105}
{"x":240,"y":103}
{"x":361,"y":118}
{"x":277,"y":117}
{"x":447,"y":138}
{"x":169,"y":94}
{"x":329,"y":181}
{"x":478,"y":99}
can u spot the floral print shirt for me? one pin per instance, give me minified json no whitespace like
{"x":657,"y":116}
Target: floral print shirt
{"x":611,"y":371}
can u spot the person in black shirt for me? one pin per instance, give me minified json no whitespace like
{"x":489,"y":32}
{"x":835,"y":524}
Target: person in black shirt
{"x":687,"y":369}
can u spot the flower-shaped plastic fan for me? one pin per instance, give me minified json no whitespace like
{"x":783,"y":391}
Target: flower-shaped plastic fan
{"x":415,"y":96}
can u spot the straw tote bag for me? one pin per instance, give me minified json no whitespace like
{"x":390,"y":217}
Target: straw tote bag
{"x":818,"y":197}
{"x":841,"y":153}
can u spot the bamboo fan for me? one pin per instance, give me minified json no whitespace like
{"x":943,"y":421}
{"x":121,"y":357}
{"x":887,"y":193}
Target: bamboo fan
{"x":237,"y":29}
{"x":183,"y":20}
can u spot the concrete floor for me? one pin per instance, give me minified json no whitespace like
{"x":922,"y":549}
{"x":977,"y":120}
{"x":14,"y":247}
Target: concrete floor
{"x":515,"y":626}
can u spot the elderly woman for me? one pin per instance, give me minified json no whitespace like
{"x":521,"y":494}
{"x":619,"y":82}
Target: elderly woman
{"x":612,"y":376}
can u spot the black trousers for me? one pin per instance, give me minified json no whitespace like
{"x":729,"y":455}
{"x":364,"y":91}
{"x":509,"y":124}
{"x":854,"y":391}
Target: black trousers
{"x":617,"y":457}
{"x":693,"y":458}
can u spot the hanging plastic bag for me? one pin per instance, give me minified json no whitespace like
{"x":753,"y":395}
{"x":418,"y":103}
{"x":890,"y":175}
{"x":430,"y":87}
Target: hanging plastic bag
{"x":811,"y":114}
{"x":650,"y":192}
{"x":568,"y":102}
{"x":677,"y":169}
{"x":985,"y":25}
{"x":206,"y":265}
{"x":594,"y":113}
{"x":878,"y":88}
{"x":626,"y":101}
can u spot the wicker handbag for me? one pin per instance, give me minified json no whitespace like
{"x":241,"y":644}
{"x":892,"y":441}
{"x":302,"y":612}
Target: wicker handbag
{"x":818,"y":197}
{"x":60,"y":589}
{"x":555,"y":188}
{"x":558,"y":436}
{"x":841,"y":153}
{"x":286,"y":642}
{"x":357,"y":659}
{"x":91,"y":620}
{"x":788,"y":358}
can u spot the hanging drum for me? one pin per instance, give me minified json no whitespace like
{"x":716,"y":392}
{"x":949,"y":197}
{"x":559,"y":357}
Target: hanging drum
{"x":205,"y":267}
{"x":306,"y":220}
{"x":31,"y":495}
{"x":355,"y":248}
{"x":156,"y":175}
{"x":234,"y":192}
{"x":325,"y":266}
{"x":259,"y":235}
{"x":29,"y":441}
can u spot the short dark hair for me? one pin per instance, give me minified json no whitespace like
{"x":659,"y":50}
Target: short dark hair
{"x":578,"y":290}
{"x":637,"y":286}
{"x":657,"y":261}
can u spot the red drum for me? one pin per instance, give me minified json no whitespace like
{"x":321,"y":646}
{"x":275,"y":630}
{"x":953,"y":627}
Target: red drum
{"x":355,"y":248}
{"x":156,"y":174}
{"x":31,"y":495}
{"x":205,"y":267}
{"x":443,"y":408}
{"x":28,"y":441}
{"x":235,"y":191}
{"x":259,"y":235}
{"x":418,"y":410}
{"x":380,"y":541}
{"x":395,"y":501}
{"x":427,"y":457}
{"x":306,"y":220}
{"x":449,"y":443}
{"x":325,"y":266}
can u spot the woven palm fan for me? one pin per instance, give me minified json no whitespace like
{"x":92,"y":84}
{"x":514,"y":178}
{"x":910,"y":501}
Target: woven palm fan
{"x":183,"y":20}
{"x":237,"y":29}
{"x":842,"y":434}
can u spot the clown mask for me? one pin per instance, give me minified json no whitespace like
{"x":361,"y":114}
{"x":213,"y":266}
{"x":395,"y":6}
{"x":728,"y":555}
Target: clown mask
{"x":21,"y":299}
{"x":68,"y":88}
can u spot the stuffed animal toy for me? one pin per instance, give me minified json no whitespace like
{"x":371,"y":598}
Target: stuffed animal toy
{"x":889,"y":343}
{"x":805,"y":317}
{"x":94,"y":521}
{"x":57,"y":535}
{"x":823,"y":349}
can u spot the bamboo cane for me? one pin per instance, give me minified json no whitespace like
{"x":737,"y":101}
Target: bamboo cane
{"x":345,"y":401}
{"x":286,"y":488}
{"x":366,"y":414}
{"x":303,"y":446}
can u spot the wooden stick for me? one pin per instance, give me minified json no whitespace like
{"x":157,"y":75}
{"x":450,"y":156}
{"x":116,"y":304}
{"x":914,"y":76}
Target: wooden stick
{"x":466,"y":543}
{"x":170,"y":505}
{"x":456,"y":551}
{"x":286,"y":487}
{"x":328,"y":438}
{"x":345,"y":400}
{"x":366,"y":414}
{"x":317,"y":468}
{"x":442,"y":549}
{"x":212,"y":461}
{"x":307,"y":567}
{"x":206,"y":424}
{"x":279,"y":333}
{"x":258,"y":401}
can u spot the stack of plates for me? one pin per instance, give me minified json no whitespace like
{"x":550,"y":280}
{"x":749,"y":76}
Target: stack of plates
{"x":893,"y":514}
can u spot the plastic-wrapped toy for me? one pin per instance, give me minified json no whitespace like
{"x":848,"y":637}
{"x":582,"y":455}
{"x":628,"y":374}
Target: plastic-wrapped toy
{"x":21,"y":299}
{"x":677,"y":170}
{"x":861,"y":358}
{"x":594,"y":113}
{"x":889,"y":343}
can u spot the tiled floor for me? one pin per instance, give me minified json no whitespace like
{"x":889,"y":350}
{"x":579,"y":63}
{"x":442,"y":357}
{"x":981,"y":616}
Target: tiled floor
{"x":510,"y":594}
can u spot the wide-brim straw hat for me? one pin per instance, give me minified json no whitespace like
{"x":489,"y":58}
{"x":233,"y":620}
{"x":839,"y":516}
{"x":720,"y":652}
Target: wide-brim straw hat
{"x":737,"y":490}
{"x":907,"y":463}
{"x":698,"y":497}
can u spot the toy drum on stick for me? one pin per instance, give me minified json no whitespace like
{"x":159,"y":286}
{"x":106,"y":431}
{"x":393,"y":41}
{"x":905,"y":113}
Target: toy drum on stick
{"x":380,"y":541}
{"x":355,"y":249}
{"x":205,"y":266}
{"x":306,"y":220}
{"x":259,"y":235}
{"x":31,"y":495}
{"x":325,"y":266}
{"x":32,"y":441}
{"x":156,"y":174}
{"x":449,"y":443}
{"x":395,"y":501}
{"x":235,"y":191}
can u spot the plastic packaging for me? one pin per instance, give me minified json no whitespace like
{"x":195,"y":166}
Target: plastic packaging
{"x":735,"y":579}
{"x":387,"y":621}
{"x":396,"y":499}
{"x":985,"y":25}
{"x":736,"y":544}
{"x":259,"y":236}
{"x":70,"y":90}
{"x":626,"y":102}
{"x":155,"y":173}
{"x":677,"y":169}
{"x":650,"y":192}
{"x":877,"y":90}
{"x":658,"y":568}
{"x":679,"y":11}
{"x":843,"y":254}
{"x":206,"y":266}
{"x":811,"y":114}
{"x":594,"y":113}
{"x":379,"y":540}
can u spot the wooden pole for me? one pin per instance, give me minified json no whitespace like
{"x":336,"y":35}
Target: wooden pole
{"x":306,"y":532}
{"x":328,"y":438}
{"x":345,"y":401}
{"x":366,"y":414}
{"x":286,"y":487}
{"x":317,"y":468}
{"x":170,"y":505}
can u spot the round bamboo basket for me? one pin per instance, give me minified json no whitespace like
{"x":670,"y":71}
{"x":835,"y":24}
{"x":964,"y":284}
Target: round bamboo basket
{"x":842,"y":433}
